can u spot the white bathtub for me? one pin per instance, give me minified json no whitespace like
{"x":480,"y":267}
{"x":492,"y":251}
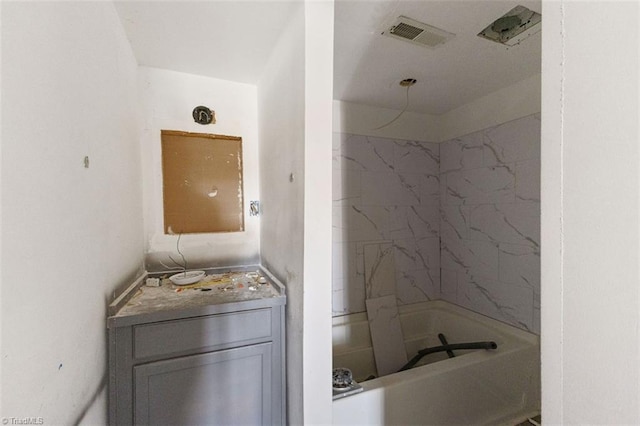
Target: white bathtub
{"x":475,"y":388}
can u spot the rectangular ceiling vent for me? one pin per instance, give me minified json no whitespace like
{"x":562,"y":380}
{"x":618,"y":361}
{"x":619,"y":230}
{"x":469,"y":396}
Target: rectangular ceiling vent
{"x":419,"y":33}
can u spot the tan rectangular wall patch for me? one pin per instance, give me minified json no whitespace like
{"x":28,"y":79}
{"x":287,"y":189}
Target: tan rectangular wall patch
{"x":202,"y":183}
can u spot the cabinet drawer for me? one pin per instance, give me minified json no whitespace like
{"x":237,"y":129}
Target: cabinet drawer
{"x":192,"y":334}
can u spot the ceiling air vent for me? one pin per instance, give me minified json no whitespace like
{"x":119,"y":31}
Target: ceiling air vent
{"x":513,"y":27}
{"x":417,"y":32}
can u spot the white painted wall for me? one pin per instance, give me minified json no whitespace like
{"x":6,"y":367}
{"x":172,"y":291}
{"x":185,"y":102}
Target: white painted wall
{"x":167,"y":99}
{"x":590,"y":213}
{"x":281,"y":113}
{"x":1,"y":168}
{"x":75,"y":234}
{"x":71,"y":235}
{"x":295,"y":107}
{"x":516,"y":101}
{"x":358,"y":119}
{"x":551,"y":339}
{"x":317,"y":352}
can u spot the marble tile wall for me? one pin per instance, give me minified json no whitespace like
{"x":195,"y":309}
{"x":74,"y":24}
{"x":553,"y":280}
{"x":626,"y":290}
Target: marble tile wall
{"x":460,"y":219}
{"x":386,"y":334}
{"x":490,"y":222}
{"x":386,"y":208}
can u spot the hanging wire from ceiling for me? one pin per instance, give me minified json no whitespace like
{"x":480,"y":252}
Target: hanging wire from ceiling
{"x":407,"y":82}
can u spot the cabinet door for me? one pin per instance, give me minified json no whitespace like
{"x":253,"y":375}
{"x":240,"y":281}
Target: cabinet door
{"x":230,"y":387}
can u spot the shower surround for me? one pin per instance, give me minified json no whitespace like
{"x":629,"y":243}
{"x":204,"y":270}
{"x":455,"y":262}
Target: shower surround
{"x":460,"y":220}
{"x":385,"y":205}
{"x":490,"y":228}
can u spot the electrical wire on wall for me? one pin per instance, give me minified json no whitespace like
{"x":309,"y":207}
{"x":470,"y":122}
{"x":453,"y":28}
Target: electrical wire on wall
{"x":407,"y":82}
{"x":184,"y":260}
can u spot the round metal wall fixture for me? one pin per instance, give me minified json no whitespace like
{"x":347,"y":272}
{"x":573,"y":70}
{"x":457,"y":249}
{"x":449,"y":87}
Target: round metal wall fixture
{"x":203,"y":115}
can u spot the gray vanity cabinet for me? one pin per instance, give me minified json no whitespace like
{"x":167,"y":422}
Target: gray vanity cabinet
{"x":206,"y":364}
{"x":224,"y":387}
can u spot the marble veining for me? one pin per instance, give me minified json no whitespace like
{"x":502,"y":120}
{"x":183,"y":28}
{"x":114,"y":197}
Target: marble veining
{"x":363,"y":153}
{"x":386,"y":334}
{"x":380,"y":270}
{"x":414,"y":222}
{"x":346,"y":187}
{"x":528,"y":180}
{"x":520,"y":264}
{"x":417,"y":286}
{"x":490,"y":222}
{"x":495,"y":184}
{"x":391,"y":189}
{"x":479,"y":258}
{"x":512,"y":141}
{"x":454,"y":221}
{"x":429,"y":188}
{"x":516,"y":223}
{"x":458,"y":220}
{"x":505,"y":302}
{"x":410,"y":156}
{"x":386,"y":200}
{"x":448,"y":285}
{"x":462,"y":153}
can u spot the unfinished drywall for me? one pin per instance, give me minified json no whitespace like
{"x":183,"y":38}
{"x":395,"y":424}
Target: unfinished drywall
{"x":167,"y":99}
{"x":74,"y":227}
{"x":281,"y":100}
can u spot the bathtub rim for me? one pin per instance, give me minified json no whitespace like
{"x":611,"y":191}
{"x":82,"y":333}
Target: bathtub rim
{"x":501,"y":327}
{"x":517,"y":340}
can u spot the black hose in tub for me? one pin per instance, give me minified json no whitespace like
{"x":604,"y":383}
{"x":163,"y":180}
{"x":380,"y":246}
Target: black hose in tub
{"x":447,"y":348}
{"x":443,"y":340}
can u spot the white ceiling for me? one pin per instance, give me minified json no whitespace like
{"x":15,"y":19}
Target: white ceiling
{"x":369,"y":66}
{"x":232,"y":40}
